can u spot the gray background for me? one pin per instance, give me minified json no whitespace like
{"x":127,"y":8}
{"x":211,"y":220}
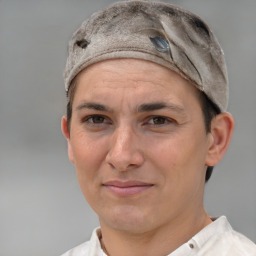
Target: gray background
{"x":42,"y":211}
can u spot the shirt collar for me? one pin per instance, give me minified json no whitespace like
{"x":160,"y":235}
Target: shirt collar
{"x":217,"y":227}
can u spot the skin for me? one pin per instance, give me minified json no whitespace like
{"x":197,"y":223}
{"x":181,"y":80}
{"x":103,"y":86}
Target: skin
{"x":138,"y":142}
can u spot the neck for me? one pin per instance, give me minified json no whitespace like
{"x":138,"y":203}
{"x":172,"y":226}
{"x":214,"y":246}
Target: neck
{"x":161,"y":241}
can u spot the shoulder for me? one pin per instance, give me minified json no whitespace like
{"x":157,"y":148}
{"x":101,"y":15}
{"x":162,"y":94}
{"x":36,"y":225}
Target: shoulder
{"x":241,"y":244}
{"x":235,"y":244}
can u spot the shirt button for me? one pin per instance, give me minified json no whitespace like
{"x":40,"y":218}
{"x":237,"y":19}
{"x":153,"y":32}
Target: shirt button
{"x":191,"y":246}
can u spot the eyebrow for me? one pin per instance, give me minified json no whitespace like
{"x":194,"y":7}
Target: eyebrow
{"x":94,"y":106}
{"x":160,"y":105}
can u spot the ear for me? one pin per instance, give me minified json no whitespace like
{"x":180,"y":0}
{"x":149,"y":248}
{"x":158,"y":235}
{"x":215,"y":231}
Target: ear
{"x":66,"y":133}
{"x":221,"y":132}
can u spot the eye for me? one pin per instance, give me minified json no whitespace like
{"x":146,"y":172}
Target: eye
{"x":95,"y":120}
{"x":159,"y":120}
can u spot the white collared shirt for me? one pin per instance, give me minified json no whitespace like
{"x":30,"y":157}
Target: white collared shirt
{"x":216,"y":239}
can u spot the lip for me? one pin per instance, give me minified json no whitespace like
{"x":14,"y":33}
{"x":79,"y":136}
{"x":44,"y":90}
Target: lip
{"x":126,"y":188}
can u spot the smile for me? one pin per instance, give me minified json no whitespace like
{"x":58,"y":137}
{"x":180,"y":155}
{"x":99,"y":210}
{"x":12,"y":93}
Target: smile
{"x":126,"y":188}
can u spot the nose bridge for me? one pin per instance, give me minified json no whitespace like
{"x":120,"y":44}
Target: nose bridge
{"x":122,"y":138}
{"x":124,"y":152}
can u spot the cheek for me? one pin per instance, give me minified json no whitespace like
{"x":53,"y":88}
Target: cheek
{"x":166,"y":153}
{"x":86,"y":149}
{"x":179,"y":157}
{"x":180,"y":165}
{"x":89,"y":154}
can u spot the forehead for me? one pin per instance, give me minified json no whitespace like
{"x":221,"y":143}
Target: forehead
{"x":132,"y":78}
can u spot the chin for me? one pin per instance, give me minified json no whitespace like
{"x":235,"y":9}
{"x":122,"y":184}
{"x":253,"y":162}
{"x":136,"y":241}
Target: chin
{"x":126,"y":218}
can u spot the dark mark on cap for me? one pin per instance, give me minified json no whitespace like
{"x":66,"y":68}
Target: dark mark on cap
{"x":83,"y":43}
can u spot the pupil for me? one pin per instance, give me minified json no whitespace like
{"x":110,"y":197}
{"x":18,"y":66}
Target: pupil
{"x":97,"y":119}
{"x":158,"y":120}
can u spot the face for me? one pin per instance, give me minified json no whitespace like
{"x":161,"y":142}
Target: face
{"x":139,"y":145}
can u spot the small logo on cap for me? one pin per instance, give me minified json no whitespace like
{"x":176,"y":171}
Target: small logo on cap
{"x":160,"y":43}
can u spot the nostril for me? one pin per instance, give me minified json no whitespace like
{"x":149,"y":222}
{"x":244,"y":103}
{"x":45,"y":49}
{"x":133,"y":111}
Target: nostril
{"x":124,"y":161}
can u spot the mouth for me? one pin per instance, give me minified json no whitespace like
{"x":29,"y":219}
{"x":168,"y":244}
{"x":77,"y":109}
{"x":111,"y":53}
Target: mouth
{"x":127,"y":188}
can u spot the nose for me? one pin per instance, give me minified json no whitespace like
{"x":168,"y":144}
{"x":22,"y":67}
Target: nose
{"x":125,"y":150}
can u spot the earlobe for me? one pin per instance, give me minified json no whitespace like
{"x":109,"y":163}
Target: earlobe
{"x":221,"y":132}
{"x":66,"y":133}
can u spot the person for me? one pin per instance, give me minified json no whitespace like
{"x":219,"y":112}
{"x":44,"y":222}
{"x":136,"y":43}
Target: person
{"x":146,"y":123}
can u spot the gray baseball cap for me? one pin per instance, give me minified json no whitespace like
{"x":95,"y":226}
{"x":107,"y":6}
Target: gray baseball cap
{"x":158,"y":32}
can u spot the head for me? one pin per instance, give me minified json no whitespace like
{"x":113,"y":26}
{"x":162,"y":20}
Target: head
{"x":146,"y":116}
